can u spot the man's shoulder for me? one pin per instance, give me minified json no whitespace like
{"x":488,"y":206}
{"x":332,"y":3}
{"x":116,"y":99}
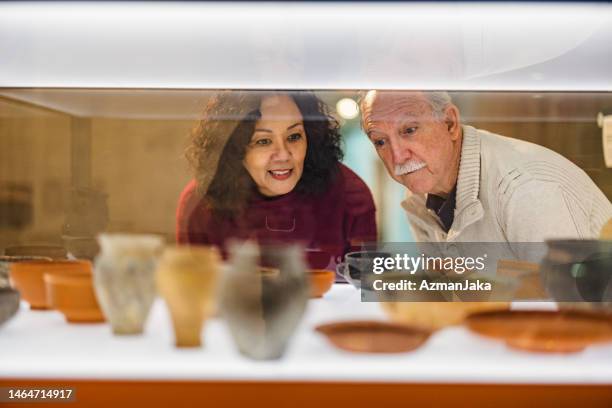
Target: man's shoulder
{"x":515,"y":152}
{"x":514,"y":161}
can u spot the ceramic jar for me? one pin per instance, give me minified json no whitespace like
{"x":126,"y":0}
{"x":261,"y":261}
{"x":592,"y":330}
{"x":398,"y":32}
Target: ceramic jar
{"x":187,"y":279}
{"x":577,"y":273}
{"x":264,"y":296}
{"x":124,"y":279}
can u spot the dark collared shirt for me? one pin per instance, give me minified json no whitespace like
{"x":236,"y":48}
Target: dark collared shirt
{"x":444,"y":208}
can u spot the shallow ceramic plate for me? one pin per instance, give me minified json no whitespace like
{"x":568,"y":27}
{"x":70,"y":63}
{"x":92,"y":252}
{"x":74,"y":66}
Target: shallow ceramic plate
{"x":373,"y":336}
{"x":544,"y":331}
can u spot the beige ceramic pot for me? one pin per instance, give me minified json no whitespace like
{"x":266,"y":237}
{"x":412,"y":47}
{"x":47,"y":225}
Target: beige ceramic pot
{"x":124,"y":279}
{"x":187,"y":280}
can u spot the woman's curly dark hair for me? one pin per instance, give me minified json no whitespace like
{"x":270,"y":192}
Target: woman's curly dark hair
{"x":219,"y":142}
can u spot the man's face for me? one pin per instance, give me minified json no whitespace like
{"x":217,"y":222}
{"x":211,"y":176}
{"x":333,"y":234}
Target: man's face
{"x":418,"y":149}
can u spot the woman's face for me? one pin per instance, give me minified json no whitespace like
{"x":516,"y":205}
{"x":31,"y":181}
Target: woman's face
{"x":275,"y":155}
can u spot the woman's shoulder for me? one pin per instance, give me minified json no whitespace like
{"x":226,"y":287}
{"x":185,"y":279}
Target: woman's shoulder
{"x":355,"y":191}
{"x":191,"y":202}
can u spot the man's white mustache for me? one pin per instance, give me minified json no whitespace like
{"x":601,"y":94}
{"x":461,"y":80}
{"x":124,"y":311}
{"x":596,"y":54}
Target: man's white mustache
{"x":409,"y":167}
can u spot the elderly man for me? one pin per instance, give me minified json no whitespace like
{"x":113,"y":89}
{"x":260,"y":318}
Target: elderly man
{"x":470,"y":185}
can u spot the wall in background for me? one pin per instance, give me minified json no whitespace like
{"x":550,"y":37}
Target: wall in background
{"x":139,"y":163}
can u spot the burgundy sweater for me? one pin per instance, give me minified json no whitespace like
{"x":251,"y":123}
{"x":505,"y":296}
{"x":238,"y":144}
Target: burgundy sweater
{"x":327,"y":223}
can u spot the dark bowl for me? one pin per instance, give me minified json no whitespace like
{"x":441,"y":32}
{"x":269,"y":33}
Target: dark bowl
{"x":9,"y":304}
{"x":579,"y":271}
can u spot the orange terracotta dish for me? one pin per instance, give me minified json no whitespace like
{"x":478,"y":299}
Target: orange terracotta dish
{"x":321,"y":281}
{"x":374,"y":336}
{"x":27,"y":277}
{"x":544,"y":331}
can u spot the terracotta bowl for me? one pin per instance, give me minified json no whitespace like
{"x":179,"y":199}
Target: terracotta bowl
{"x":5,"y":264}
{"x":49,"y":251}
{"x":321,"y":281}
{"x":72,"y":293}
{"x":27,"y":277}
{"x":9,"y":304}
{"x":544,"y":331}
{"x":373,"y":336}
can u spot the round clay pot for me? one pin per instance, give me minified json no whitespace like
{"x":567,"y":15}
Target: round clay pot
{"x":321,"y":281}
{"x":187,"y":280}
{"x":27,"y":277}
{"x":72,"y":294}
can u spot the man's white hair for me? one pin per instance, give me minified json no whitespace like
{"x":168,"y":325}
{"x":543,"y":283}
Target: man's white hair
{"x":438,"y":101}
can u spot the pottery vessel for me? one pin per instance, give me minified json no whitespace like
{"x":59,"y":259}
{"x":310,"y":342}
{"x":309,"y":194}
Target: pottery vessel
{"x":544,"y":331}
{"x":72,"y":294}
{"x":321,"y":281}
{"x":27,"y":277}
{"x":263,"y":309}
{"x":5,"y":266}
{"x":578,"y":273}
{"x":9,"y":304}
{"x":373,"y":336}
{"x":124,"y":279}
{"x":187,"y":279}
{"x":358,"y":264}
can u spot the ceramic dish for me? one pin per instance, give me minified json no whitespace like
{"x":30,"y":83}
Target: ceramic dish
{"x":321,"y":281}
{"x":9,"y":304}
{"x":72,"y":294}
{"x":544,"y":331}
{"x":373,"y":336}
{"x":27,"y":277}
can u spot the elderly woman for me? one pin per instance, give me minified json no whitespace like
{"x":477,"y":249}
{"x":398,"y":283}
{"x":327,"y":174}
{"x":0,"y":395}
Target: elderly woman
{"x":267,"y":167}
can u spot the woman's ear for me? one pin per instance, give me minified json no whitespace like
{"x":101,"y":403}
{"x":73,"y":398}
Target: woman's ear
{"x":451,"y":114}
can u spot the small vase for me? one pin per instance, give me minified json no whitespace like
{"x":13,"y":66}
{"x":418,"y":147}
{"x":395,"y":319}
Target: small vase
{"x":264,"y":296}
{"x":187,"y":280}
{"x":124,"y":279}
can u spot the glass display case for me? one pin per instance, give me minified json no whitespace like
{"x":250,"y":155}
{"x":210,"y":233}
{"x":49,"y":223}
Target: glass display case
{"x":100,"y":104}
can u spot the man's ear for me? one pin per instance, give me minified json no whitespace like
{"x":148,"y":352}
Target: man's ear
{"x":451,"y":114}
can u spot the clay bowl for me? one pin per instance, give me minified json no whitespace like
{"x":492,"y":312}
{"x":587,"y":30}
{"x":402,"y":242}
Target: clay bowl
{"x":373,"y":336}
{"x":27,"y":277}
{"x":321,"y":281}
{"x":544,"y":331}
{"x":49,"y":251}
{"x":72,"y":293}
{"x":5,"y":264}
{"x":9,"y":304}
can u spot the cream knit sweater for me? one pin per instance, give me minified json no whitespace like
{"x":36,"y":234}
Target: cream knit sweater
{"x":511,"y":191}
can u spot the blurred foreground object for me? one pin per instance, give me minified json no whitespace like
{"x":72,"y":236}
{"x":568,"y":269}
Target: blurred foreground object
{"x":264,"y":307}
